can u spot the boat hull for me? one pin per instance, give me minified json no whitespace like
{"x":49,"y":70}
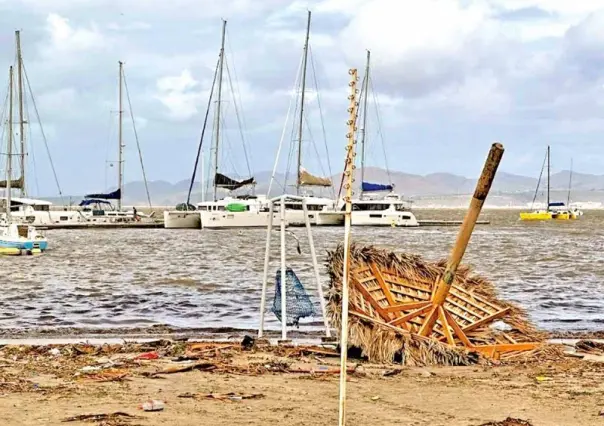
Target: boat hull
{"x":182,"y":219}
{"x":535,"y":216}
{"x":393,"y":219}
{"x":246,"y":219}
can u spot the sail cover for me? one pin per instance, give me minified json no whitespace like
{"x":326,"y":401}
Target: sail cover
{"x":115,"y":195}
{"x":305,"y":178}
{"x":226,"y":182}
{"x":90,"y":201}
{"x":372,"y":187}
{"x":14,"y":183}
{"x":557,"y":204}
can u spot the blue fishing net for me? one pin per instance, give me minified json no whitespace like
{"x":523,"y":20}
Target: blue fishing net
{"x":298,"y":303}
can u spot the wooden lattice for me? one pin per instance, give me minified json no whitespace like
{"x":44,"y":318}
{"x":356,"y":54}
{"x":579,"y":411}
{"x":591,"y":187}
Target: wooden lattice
{"x":383,"y":295}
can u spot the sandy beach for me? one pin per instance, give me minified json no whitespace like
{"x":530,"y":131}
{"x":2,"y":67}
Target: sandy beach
{"x":223,"y":384}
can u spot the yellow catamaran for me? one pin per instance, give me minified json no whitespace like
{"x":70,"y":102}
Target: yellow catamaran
{"x":553,"y":211}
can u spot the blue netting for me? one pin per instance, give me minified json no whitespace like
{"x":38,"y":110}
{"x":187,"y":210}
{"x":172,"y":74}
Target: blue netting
{"x":298,"y":303}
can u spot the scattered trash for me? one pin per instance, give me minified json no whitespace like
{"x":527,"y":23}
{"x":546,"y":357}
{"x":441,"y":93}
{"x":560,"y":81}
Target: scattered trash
{"x":148,"y":355}
{"x":99,"y":417}
{"x":231,"y":396}
{"x":203,"y":366}
{"x":390,"y":373}
{"x":55,"y":352}
{"x":590,"y":347}
{"x":501,"y":326}
{"x":248,"y":343}
{"x":509,"y":422}
{"x":90,"y":369}
{"x":153,"y":405}
{"x":541,"y":379}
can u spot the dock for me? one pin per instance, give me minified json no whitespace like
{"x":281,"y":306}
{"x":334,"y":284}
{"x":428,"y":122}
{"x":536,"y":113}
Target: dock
{"x":117,"y":225}
{"x":431,"y":222}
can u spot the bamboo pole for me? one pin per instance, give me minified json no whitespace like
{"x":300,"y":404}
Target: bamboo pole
{"x":348,"y":173}
{"x":463,"y":237}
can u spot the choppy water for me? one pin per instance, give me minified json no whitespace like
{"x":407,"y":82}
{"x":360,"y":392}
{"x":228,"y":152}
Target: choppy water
{"x":205,"y":279}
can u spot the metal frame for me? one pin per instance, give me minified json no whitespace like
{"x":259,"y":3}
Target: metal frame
{"x":281,"y":199}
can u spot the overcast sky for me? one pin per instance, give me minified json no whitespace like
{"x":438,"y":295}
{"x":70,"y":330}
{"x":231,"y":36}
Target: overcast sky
{"x":450,"y":76}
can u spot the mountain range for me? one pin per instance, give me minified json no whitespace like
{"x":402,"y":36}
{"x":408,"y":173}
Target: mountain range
{"x":432,"y":189}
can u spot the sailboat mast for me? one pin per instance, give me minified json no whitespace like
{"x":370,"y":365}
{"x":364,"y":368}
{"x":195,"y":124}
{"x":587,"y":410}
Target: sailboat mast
{"x":21,"y":116}
{"x":120,"y":160}
{"x":548,"y":177}
{"x":570,"y":181}
{"x":303,"y":88}
{"x":218,"y":101}
{"x":9,"y":151}
{"x":365,"y":92}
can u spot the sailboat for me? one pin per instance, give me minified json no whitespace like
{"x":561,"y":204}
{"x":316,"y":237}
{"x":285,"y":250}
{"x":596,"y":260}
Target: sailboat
{"x":98,"y":207}
{"x":244,"y":211}
{"x":391,"y":209}
{"x":553,"y":211}
{"x":16,"y":238}
{"x":322,"y":211}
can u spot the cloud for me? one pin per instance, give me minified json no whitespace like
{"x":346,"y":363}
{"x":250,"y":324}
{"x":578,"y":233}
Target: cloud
{"x":448,"y":74}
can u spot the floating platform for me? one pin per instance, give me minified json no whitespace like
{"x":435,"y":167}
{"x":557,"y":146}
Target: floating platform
{"x":88,"y":225}
{"x":431,"y":222}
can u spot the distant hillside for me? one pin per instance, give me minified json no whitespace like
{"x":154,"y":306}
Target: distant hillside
{"x":444,"y":188}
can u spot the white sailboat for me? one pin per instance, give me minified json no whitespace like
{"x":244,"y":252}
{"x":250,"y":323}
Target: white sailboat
{"x":322,"y":210}
{"x":97,"y":208}
{"x":16,"y":238}
{"x":369,"y":210}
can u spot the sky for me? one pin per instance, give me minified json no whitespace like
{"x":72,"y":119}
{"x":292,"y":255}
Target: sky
{"x":449,"y":77}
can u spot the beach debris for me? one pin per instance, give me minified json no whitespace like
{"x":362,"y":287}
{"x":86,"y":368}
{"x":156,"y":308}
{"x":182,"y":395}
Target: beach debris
{"x":590,"y":347}
{"x":203,"y":366}
{"x":248,"y":343}
{"x":55,"y":352}
{"x":147,"y":356}
{"x":375,"y":398}
{"x":153,"y":405}
{"x":425,"y":312}
{"x":228,"y":397}
{"x":393,"y":372}
{"x":99,"y":417}
{"x":509,"y":422}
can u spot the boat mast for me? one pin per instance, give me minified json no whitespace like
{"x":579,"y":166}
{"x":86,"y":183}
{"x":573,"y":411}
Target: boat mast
{"x":303,"y":87}
{"x":218,"y":101}
{"x":548,"y":177}
{"x":21,"y":117}
{"x":120,"y":160}
{"x":9,"y":151}
{"x":570,"y":181}
{"x":365,"y":92}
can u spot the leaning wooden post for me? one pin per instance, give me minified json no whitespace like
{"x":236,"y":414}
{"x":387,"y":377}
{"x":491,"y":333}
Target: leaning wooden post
{"x":444,"y":284}
{"x":348,"y":174}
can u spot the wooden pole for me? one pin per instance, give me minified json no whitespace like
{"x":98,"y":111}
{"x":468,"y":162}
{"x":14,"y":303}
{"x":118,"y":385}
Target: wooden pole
{"x":348,"y":173}
{"x":267,"y":257}
{"x":463,"y":237}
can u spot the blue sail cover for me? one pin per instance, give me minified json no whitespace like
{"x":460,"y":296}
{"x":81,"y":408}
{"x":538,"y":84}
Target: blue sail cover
{"x":557,"y":204}
{"x":372,"y":187}
{"x":115,"y":195}
{"x":90,"y":201}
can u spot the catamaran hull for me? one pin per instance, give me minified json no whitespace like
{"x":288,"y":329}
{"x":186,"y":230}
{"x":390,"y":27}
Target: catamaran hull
{"x":182,"y":219}
{"x":316,"y":218}
{"x":225,"y":220}
{"x":394,"y":219}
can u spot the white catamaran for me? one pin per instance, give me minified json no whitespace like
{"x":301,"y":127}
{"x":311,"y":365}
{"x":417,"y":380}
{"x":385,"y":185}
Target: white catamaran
{"x":369,"y":210}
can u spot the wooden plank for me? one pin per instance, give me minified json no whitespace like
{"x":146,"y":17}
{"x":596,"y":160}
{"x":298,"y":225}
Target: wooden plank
{"x":489,"y":349}
{"x":445,"y":325}
{"x":370,"y":299}
{"x":477,"y":297}
{"x":407,"y":306}
{"x":458,"y":331}
{"x":380,"y":279}
{"x":485,"y":320}
{"x":360,"y":270}
{"x":411,"y":315}
{"x":429,"y":321}
{"x":399,"y":281}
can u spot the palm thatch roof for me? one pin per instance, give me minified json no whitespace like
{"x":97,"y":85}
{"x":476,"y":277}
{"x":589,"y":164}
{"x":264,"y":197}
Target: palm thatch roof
{"x":382,"y":280}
